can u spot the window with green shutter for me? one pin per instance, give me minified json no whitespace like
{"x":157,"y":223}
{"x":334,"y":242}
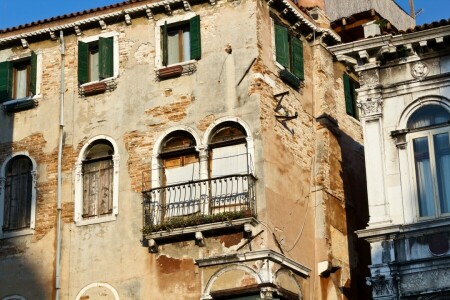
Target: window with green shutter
{"x":18,"y":78}
{"x":95,"y":60}
{"x":350,"y":87}
{"x":181,"y":41}
{"x":289,"y":54}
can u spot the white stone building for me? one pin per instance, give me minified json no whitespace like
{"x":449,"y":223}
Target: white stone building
{"x":404,"y":102}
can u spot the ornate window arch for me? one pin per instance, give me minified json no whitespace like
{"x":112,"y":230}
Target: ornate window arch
{"x":17,"y":195}
{"x":97,"y":181}
{"x":426,"y":123}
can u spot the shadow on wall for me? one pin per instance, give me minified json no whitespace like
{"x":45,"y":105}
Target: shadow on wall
{"x":19,"y":274}
{"x":353,"y":174}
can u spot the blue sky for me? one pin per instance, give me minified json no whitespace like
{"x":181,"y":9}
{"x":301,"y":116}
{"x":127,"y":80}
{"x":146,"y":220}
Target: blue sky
{"x":16,"y":12}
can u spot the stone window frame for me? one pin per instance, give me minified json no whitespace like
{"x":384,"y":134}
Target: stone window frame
{"x":78,"y":200}
{"x":403,"y":140}
{"x":26,"y":231}
{"x":158,"y":44}
{"x":27,"y":56}
{"x":108,"y":84}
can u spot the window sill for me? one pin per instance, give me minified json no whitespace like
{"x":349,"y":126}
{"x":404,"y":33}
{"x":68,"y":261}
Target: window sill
{"x":16,"y":233}
{"x":96,"y":220}
{"x":16,"y":105}
{"x":176,"y":70}
{"x":97,"y":87}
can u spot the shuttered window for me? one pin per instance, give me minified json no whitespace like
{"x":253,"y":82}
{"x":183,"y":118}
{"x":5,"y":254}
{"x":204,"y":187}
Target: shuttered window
{"x":18,"y":78}
{"x":350,"y":87}
{"x":181,"y":41}
{"x":95,"y":60}
{"x":18,"y":194}
{"x":98,"y":181}
{"x":289,"y":52}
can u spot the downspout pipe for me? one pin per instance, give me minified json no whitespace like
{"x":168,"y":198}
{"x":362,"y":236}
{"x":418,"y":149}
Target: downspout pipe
{"x":60,"y":148}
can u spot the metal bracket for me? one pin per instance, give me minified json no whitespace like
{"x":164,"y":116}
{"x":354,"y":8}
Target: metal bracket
{"x":283,"y":118}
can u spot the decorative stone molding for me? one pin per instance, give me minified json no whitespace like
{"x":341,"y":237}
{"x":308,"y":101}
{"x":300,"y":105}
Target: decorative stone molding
{"x":420,"y":281}
{"x":419,"y":70}
{"x":369,"y":107}
{"x":369,"y":79}
{"x":382,"y":286}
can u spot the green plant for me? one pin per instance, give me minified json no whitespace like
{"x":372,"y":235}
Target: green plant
{"x":195,"y":219}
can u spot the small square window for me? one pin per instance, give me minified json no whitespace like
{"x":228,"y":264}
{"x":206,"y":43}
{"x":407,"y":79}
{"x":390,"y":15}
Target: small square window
{"x":18,"y":78}
{"x":95,"y":60}
{"x":181,"y":41}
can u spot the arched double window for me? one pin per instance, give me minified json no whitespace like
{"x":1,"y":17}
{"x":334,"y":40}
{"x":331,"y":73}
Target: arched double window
{"x":18,"y":201}
{"x":96,"y":189}
{"x":429,"y":132}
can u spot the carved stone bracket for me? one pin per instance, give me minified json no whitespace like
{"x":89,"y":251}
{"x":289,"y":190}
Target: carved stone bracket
{"x":370,"y":107}
{"x":369,"y":79}
{"x":382,"y":286}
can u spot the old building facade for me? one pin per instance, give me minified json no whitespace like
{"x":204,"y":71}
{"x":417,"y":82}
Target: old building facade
{"x":180,"y":150}
{"x":404,"y":101}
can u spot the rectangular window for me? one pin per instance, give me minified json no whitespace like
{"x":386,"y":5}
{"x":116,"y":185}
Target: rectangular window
{"x":97,"y":184}
{"x":289,"y":54}
{"x":181,"y":41}
{"x":18,"y":78}
{"x":95,"y":60}
{"x":350,"y":87}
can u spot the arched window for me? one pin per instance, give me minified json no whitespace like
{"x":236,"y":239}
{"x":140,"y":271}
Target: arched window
{"x":96,"y":186}
{"x":180,"y":167}
{"x":429,"y":134}
{"x":228,"y":150}
{"x":18,"y":187}
{"x":17,"y":196}
{"x":98,"y":180}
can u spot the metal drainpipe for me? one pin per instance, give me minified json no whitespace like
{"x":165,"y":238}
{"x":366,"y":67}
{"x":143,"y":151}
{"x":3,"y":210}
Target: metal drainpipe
{"x":60,"y":146}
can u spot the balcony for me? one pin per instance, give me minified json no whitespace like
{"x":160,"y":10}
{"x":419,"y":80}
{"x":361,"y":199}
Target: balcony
{"x":197,"y":206}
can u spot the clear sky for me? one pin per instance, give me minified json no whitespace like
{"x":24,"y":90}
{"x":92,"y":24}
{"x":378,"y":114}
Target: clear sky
{"x":16,"y":12}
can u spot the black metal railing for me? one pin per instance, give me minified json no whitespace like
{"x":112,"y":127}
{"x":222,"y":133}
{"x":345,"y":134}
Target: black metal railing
{"x":199,"y":202}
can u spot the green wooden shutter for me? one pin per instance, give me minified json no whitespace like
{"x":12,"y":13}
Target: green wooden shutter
{"x":196,"y":43}
{"x":297,"y":58}
{"x":282,"y":45}
{"x":33,"y":73}
{"x":348,"y":95}
{"x":83,"y":62}
{"x":165,"y":54}
{"x":5,"y":81}
{"x":106,"y":57}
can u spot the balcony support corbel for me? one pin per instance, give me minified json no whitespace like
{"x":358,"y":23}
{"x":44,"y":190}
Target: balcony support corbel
{"x":200,"y":239}
{"x":152,"y":246}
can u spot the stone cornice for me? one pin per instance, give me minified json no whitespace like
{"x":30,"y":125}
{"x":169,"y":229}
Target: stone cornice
{"x":252,"y":256}
{"x":125,"y":13}
{"x":367,"y":53}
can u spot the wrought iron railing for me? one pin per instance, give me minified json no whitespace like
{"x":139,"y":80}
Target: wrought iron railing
{"x":199,"y":202}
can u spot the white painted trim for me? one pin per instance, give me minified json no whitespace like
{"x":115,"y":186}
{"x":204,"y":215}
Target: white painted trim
{"x":33,"y":196}
{"x":78,"y":200}
{"x":158,"y":51}
{"x":116,"y":57}
{"x":98,"y":284}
